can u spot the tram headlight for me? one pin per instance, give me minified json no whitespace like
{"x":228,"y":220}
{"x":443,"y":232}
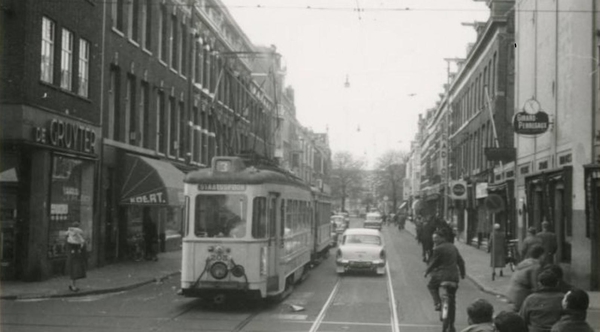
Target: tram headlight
{"x":238,"y":271}
{"x":218,"y":270}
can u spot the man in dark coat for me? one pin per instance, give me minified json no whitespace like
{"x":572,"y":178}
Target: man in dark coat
{"x":529,"y":242}
{"x":549,"y":243}
{"x":446,"y":264}
{"x":150,"y":237}
{"x":426,"y":238}
{"x":575,"y":304}
{"x":542,"y":309}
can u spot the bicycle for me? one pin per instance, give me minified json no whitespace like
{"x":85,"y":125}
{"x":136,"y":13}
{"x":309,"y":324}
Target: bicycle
{"x":448,"y":305}
{"x":512,"y":255}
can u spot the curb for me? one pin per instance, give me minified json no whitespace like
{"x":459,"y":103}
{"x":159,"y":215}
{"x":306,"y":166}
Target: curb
{"x":90,"y":292}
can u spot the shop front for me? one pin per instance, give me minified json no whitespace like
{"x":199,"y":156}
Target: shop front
{"x":592,"y":213}
{"x":151,"y":193}
{"x":47,"y":180}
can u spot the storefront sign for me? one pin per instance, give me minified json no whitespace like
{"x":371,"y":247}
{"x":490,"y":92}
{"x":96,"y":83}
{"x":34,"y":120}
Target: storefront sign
{"x":67,"y":135}
{"x":481,"y":190}
{"x":458,"y":190}
{"x":155,"y":198}
{"x":532,"y":120}
{"x":221,"y":187}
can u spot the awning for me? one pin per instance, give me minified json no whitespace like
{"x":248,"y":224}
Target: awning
{"x":151,"y":182}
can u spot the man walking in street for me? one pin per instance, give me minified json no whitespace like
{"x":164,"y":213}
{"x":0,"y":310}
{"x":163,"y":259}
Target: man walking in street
{"x":549,"y":242}
{"x":529,"y":242}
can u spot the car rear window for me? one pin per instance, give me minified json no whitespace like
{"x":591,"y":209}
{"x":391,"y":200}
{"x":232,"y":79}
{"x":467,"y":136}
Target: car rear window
{"x":362,"y":239}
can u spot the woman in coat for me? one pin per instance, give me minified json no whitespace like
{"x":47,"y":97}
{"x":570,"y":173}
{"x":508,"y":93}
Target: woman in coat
{"x":524,"y":280}
{"x":76,"y":255}
{"x":497,"y":248}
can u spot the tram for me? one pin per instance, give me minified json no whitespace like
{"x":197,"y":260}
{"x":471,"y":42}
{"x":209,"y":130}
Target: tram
{"x":250,"y":230}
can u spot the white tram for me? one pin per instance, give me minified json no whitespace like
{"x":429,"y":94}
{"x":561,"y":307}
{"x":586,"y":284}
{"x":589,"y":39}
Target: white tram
{"x":250,"y":231}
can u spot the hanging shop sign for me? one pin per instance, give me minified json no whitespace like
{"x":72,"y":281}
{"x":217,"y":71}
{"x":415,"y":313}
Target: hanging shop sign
{"x":531,"y":120}
{"x":67,"y":135}
{"x":458,"y":190}
{"x":481,"y":190}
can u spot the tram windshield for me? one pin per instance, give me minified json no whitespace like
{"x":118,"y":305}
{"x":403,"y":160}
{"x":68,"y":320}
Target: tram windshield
{"x":220,"y":216}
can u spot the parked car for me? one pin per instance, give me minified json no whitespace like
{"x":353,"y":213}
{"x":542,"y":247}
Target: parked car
{"x":373,"y":220}
{"x":339,"y":226}
{"x":361,"y":249}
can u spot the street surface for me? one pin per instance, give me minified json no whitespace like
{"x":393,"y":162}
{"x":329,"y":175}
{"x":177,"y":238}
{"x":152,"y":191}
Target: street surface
{"x":323,"y":302}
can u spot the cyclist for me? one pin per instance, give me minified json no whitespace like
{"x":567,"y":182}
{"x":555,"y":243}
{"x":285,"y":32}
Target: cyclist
{"x":446,"y":265}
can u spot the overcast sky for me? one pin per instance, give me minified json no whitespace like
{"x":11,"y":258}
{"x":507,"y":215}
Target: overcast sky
{"x":392,"y":52}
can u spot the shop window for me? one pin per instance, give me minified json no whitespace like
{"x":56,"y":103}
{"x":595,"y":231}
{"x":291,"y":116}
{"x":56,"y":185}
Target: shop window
{"x":71,"y":200}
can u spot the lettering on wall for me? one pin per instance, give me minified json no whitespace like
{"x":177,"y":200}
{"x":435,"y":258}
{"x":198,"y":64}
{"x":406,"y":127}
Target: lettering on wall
{"x":67,"y":135}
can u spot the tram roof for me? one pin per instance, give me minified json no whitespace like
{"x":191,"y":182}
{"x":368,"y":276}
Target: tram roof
{"x":248,"y":175}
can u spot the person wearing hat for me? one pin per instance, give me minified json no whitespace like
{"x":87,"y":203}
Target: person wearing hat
{"x":549,"y":242}
{"x":529,"y":242}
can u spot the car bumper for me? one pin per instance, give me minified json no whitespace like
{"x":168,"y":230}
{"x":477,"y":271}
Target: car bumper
{"x":343,"y":265}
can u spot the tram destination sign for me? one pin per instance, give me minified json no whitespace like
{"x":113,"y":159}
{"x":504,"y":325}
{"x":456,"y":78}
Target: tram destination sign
{"x":530,"y":124}
{"x":221,"y":187}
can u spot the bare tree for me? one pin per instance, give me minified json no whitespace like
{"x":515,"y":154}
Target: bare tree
{"x":346,"y":176}
{"x":389,"y":172}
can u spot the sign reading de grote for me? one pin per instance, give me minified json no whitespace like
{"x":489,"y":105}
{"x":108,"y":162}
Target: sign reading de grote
{"x":66,"y":135}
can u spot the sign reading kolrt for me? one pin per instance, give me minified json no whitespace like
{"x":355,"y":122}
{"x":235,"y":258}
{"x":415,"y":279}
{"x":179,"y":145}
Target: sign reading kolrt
{"x":530,"y":124}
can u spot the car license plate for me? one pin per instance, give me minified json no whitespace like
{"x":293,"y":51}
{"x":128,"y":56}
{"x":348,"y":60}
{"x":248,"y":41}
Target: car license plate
{"x":360,"y":264}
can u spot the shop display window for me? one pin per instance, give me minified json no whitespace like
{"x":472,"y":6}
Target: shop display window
{"x":71,"y":199}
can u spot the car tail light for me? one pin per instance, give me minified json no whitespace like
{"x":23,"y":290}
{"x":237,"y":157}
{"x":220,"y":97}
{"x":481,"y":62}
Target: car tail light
{"x":382,"y":254}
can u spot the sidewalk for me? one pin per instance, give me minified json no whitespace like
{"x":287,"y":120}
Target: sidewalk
{"x":479,"y":271}
{"x":107,"y":279}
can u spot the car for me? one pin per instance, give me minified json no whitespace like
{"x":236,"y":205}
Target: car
{"x":361,"y":249}
{"x":339,"y":225}
{"x":373,"y":220}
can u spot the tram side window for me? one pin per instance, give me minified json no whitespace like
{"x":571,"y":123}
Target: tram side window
{"x":220,"y":216}
{"x":259,"y":218}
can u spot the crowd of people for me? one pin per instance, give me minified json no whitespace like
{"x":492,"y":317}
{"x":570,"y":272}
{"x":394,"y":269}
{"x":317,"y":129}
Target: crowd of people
{"x":542,"y":301}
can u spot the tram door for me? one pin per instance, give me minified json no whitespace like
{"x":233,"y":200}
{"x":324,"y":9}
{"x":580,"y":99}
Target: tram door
{"x":273,"y":244}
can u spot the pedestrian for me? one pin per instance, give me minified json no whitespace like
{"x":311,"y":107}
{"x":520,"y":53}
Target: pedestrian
{"x":575,"y":304}
{"x":529,"y":241}
{"x":563,"y":286}
{"x":509,"y":321}
{"x":419,"y":228}
{"x":76,"y":255}
{"x":497,"y":248}
{"x":524,"y":280}
{"x":549,"y":242}
{"x":426,"y":238}
{"x":480,"y":314}
{"x":150,"y":236}
{"x":543,"y":308}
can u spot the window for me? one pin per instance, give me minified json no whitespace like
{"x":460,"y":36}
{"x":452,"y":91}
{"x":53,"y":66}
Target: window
{"x":118,"y":8}
{"x":162,"y":40}
{"x":162,"y":123}
{"x":131,"y":110}
{"x":71,"y":199}
{"x":220,"y":216}
{"x":47,"y":62}
{"x":112,"y":130}
{"x":199,"y":63}
{"x":174,"y":43}
{"x":66,"y":60}
{"x":84,"y":68}
{"x":183,"y":54}
{"x":181,"y":130}
{"x":259,"y":218}
{"x":195,"y":136}
{"x":133,"y":28}
{"x":147,"y":24}
{"x":145,"y":114}
{"x":173,"y":127}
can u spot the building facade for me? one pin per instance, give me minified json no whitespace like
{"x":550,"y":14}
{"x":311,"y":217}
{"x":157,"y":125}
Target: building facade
{"x":50,"y":134}
{"x":557,"y":170}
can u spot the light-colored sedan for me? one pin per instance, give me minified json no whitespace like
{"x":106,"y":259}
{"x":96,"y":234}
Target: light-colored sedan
{"x":361,"y":249}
